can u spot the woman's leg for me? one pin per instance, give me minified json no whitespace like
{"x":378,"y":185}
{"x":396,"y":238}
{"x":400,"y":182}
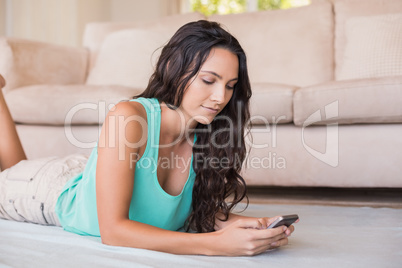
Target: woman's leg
{"x":11,"y":151}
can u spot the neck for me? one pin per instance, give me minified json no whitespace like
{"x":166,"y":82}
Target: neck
{"x":176,"y":126}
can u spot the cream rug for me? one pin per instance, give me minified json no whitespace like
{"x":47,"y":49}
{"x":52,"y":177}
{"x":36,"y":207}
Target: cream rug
{"x":325,"y":237}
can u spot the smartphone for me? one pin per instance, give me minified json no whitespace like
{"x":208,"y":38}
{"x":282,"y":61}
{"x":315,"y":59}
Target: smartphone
{"x":286,"y":220}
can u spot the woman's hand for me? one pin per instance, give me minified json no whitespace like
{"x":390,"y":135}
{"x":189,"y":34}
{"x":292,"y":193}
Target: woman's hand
{"x":265,"y":222}
{"x":250,"y":236}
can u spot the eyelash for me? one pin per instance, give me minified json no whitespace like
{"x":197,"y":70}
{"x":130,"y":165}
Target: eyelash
{"x":210,"y":83}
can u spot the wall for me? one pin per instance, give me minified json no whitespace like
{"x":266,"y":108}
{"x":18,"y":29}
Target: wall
{"x":47,"y":20}
{"x":63,"y":21}
{"x":90,"y":11}
{"x":129,"y":10}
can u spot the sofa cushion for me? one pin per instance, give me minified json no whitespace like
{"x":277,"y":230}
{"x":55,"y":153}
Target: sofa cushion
{"x":375,"y":100}
{"x":127,"y":58}
{"x":271,"y":103}
{"x":65,"y":104}
{"x":373,"y":47}
{"x":27,"y":62}
{"x":293,"y":46}
{"x":346,"y":9}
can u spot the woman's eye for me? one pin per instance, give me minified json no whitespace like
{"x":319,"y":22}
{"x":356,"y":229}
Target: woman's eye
{"x":208,"y":82}
{"x":230,"y":87}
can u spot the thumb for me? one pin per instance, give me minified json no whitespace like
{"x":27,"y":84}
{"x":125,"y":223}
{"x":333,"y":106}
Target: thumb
{"x":271,"y":220}
{"x":249,"y":223}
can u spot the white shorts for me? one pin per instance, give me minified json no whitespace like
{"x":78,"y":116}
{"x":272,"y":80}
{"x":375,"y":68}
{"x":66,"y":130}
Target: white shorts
{"x":29,"y":189}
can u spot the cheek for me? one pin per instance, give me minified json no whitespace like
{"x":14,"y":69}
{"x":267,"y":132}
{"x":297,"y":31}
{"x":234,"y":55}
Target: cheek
{"x":200,"y":87}
{"x":229,"y":95}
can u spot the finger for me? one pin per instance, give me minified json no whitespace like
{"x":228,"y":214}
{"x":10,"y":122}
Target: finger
{"x":264,"y":247}
{"x":272,"y":234}
{"x":279,"y":243}
{"x":290,"y":230}
{"x":266,"y":244}
{"x":279,"y":237}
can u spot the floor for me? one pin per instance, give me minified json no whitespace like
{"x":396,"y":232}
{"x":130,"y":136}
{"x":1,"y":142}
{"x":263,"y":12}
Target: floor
{"x":378,"y":197}
{"x":326,"y":236}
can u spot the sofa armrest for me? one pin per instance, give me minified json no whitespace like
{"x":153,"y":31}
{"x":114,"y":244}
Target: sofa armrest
{"x":25,"y":62}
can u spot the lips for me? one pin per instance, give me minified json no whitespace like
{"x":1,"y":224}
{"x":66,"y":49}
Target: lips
{"x":212,"y":110}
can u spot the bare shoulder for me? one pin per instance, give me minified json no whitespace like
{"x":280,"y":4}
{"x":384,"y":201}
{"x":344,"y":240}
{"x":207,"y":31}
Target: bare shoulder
{"x":128,"y":120}
{"x":128,"y":108}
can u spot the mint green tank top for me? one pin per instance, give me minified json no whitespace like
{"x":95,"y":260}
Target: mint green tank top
{"x":150,"y":204}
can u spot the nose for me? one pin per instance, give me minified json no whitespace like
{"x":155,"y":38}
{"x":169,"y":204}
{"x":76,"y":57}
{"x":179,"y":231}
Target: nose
{"x":218,"y":94}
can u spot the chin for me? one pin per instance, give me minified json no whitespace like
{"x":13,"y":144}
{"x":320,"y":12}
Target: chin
{"x":203,"y":118}
{"x":204,"y":121}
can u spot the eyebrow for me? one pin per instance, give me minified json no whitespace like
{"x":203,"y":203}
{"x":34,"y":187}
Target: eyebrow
{"x":217,"y":75}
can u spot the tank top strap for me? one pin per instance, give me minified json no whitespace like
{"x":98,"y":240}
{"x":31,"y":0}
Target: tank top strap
{"x":153,"y":110}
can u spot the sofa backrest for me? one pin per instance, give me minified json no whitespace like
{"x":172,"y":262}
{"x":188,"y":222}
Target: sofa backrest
{"x":293,"y":46}
{"x":95,"y":33}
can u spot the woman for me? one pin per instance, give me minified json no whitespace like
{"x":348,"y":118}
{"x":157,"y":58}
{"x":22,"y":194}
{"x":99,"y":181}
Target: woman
{"x":166,"y":160}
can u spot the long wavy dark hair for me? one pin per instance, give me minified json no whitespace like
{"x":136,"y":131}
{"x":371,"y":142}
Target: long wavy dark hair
{"x":180,"y":60}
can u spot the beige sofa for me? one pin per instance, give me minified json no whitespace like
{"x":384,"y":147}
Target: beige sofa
{"x":326,"y":81}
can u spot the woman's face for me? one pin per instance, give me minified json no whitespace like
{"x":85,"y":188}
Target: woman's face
{"x":212,"y":87}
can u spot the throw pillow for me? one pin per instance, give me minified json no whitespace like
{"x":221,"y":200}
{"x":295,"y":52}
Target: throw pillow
{"x":127,"y":58}
{"x":373,"y":47}
{"x":291,"y":47}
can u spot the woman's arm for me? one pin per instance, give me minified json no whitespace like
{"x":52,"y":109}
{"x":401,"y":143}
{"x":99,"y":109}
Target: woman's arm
{"x":120,"y":138}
